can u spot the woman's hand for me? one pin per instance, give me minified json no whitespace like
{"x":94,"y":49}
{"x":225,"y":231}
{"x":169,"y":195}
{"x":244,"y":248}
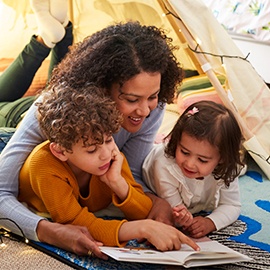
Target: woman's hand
{"x":76,"y":239}
{"x":161,"y":210}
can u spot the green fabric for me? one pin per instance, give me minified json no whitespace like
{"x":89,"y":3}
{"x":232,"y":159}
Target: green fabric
{"x":11,"y":112}
{"x":198,"y":82}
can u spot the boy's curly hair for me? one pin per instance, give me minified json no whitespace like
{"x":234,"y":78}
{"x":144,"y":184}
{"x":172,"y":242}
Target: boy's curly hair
{"x":67,"y":116}
{"x":116,"y":54}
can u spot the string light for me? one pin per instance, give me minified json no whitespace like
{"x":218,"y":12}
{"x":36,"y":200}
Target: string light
{"x":260,"y":156}
{"x":198,"y":43}
{"x":5,"y":233}
{"x":2,"y":245}
{"x":221,"y":56}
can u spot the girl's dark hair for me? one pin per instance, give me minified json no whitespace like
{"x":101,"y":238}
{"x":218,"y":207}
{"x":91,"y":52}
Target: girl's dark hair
{"x":118,"y":53}
{"x":216,"y":124}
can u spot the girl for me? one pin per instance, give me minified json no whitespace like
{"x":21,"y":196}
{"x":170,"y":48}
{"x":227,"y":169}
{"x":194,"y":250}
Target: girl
{"x":197,"y":169}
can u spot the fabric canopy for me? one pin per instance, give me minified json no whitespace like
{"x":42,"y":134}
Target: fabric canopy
{"x":204,"y":45}
{"x":245,"y":93}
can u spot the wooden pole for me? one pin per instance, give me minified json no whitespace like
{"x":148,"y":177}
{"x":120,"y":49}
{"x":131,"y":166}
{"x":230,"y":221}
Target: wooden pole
{"x":211,"y":75}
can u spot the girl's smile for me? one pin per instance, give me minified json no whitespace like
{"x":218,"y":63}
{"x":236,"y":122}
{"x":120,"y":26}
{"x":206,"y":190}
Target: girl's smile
{"x":196,"y":158}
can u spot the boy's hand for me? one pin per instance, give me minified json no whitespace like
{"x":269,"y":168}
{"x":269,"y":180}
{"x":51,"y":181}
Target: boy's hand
{"x":114,"y":172}
{"x":113,"y":177}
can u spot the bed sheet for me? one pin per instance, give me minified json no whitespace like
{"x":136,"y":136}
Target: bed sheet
{"x":246,"y":17}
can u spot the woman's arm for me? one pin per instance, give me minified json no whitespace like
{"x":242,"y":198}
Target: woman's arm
{"x":26,"y":137}
{"x":76,"y":239}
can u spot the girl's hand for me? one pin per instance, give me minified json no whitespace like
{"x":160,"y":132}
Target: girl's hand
{"x":201,"y":226}
{"x":113,"y":177}
{"x":182,"y":217}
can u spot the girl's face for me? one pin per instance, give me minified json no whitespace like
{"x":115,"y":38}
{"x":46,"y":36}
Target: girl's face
{"x":195,"y":158}
{"x":94,"y":159}
{"x":137,"y":98}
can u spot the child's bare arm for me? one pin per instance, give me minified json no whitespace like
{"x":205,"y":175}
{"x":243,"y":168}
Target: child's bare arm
{"x":162,"y":236}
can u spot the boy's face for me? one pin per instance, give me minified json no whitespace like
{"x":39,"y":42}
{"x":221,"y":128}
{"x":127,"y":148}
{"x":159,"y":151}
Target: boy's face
{"x":196,"y":158}
{"x":94,"y":159}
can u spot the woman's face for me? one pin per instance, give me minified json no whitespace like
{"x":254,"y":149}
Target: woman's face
{"x":137,"y":98}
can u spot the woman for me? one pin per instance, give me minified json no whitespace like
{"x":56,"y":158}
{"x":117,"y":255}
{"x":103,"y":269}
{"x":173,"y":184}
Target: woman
{"x":136,"y":66}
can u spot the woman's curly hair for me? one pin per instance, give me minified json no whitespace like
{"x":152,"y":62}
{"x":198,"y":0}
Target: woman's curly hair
{"x":216,"y":124}
{"x":67,"y":116}
{"x":116,"y":54}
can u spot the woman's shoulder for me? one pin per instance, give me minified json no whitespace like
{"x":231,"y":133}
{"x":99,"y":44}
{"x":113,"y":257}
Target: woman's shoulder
{"x":154,"y":120}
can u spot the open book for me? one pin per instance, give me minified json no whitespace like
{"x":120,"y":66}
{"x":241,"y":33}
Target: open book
{"x":211,"y":253}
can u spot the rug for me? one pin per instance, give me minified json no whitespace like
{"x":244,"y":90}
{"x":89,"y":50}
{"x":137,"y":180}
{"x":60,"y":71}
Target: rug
{"x":247,"y":235}
{"x":255,"y":213}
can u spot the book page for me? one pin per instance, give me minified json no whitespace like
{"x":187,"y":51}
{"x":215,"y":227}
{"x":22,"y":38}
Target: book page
{"x":212,"y":252}
{"x":141,"y":255}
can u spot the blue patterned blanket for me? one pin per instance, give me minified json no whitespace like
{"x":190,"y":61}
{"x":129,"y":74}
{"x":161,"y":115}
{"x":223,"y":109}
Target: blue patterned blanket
{"x":248,"y":235}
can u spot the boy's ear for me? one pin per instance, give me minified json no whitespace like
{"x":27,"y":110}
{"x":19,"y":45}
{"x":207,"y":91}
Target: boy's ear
{"x":58,"y":151}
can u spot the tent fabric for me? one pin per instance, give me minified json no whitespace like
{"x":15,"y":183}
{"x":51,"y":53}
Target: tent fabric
{"x":194,"y":29}
{"x":18,"y":22}
{"x":246,"y":94}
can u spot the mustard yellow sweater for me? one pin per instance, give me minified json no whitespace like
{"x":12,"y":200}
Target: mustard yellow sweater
{"x":48,"y":185}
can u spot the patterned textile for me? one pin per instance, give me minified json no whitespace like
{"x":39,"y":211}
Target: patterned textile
{"x":196,"y":88}
{"x":5,"y":135}
{"x":245,"y":17}
{"x":248,"y":235}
